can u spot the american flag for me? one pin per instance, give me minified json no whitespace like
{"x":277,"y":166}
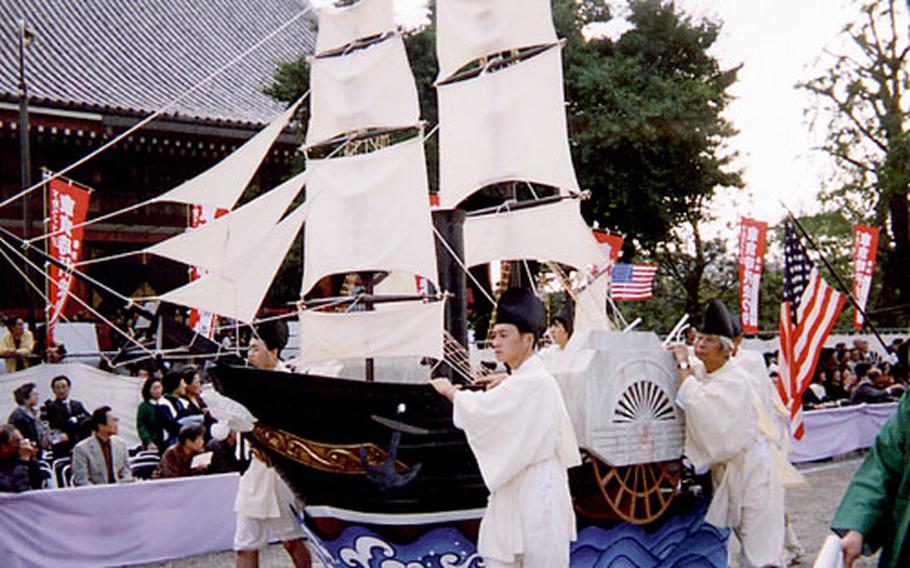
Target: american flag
{"x":632,"y":281}
{"x":807,"y":315}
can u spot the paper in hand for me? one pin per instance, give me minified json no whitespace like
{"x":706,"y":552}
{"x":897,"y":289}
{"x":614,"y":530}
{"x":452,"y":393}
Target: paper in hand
{"x":831,"y":554}
{"x":201,"y":460}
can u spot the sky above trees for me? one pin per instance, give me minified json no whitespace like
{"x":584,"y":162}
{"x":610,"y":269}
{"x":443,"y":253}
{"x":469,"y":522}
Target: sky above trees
{"x":779,"y":43}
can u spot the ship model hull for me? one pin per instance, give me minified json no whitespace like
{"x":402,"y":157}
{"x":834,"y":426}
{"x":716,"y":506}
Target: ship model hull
{"x":335,"y":442}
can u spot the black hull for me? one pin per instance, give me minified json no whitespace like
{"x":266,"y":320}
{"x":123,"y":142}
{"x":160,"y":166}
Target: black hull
{"x":326,"y":413}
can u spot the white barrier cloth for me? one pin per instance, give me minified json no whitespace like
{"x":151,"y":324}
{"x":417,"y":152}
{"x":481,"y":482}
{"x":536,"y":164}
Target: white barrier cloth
{"x":835,"y":431}
{"x":116,"y":525}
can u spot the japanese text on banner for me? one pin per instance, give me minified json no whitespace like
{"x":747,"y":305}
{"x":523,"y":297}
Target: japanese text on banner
{"x":202,"y":322}
{"x":752,"y":237}
{"x":68,"y":209}
{"x":865,"y":246}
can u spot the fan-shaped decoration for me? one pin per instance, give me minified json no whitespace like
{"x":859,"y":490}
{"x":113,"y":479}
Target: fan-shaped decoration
{"x":643,"y":400}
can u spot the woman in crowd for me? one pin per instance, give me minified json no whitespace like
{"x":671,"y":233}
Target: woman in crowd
{"x":196,"y":406}
{"x":152,"y":416}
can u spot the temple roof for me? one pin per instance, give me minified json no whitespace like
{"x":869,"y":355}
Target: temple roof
{"x":133,"y":57}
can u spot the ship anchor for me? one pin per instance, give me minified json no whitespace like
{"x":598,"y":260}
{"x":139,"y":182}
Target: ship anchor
{"x":386,"y":475}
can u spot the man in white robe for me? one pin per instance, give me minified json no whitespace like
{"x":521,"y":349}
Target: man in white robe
{"x":263,"y":498}
{"x":524,"y":442}
{"x":722,"y":432}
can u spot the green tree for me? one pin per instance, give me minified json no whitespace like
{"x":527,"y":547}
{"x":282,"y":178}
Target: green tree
{"x":861,"y":104}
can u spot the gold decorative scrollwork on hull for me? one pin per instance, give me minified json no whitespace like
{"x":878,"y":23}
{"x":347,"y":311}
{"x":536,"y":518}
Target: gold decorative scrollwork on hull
{"x":331,"y":458}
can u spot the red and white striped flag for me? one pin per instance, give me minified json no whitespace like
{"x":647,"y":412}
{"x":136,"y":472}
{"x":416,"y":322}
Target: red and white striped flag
{"x":632,"y":281}
{"x":807,"y":315}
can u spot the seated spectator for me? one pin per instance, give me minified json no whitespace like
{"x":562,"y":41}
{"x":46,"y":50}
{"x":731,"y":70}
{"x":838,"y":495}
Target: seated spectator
{"x":196,"y":406}
{"x":25,"y":417}
{"x":223,"y":446}
{"x":101,"y":458}
{"x":875,"y":388}
{"x":833,"y":383}
{"x":19,"y":470}
{"x":177,"y":459}
{"x":68,"y":419}
{"x":16,"y":345}
{"x":55,"y":354}
{"x":152,"y":416}
{"x":815,"y":394}
{"x":175,"y":408}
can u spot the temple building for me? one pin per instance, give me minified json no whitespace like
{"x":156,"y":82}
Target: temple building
{"x":93,"y":69}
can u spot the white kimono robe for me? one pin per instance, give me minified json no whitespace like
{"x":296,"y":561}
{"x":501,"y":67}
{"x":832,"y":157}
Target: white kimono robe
{"x":722,"y":432}
{"x":522,"y":437}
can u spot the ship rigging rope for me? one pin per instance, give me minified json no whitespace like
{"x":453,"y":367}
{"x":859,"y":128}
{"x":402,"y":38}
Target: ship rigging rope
{"x":215,"y":74}
{"x":461,"y":264}
{"x":76,"y":297}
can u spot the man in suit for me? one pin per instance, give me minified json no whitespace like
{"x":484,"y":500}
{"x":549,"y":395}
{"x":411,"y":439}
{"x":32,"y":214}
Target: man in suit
{"x":101,"y":458}
{"x":68,"y":418}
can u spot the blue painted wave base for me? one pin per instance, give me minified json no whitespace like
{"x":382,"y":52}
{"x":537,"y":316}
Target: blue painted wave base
{"x":684,"y":540}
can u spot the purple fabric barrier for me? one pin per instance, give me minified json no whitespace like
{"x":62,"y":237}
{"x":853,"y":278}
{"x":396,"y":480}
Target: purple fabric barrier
{"x":118,"y":525}
{"x":834,"y":431}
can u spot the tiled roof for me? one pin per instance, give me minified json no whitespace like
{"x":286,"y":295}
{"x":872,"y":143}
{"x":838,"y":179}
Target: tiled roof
{"x":134,"y":56}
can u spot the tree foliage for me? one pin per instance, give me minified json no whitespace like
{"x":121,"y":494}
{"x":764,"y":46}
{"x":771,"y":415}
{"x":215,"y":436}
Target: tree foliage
{"x":861,"y":104}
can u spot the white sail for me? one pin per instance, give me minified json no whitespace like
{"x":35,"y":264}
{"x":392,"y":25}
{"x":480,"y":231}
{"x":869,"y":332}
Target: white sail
{"x":369,"y":212}
{"x":212,"y":245}
{"x":340,"y":26}
{"x":470,"y":29}
{"x":369,"y":88}
{"x":509,"y":125}
{"x":555,"y":232}
{"x":397,"y":330}
{"x":591,"y":307}
{"x":222,"y":184}
{"x":237,"y":290}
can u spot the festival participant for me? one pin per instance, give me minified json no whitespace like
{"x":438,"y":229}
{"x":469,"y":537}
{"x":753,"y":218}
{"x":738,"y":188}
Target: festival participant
{"x":25,"y":417}
{"x":722,"y":433}
{"x":101,"y":458}
{"x":773,"y":423}
{"x":562,"y":326}
{"x":522,"y":437}
{"x":874,"y":511}
{"x":16,"y":345}
{"x":263,"y":503}
{"x":177,"y":460}
{"x":68,"y":418}
{"x":152,"y":416}
{"x":18,"y":469}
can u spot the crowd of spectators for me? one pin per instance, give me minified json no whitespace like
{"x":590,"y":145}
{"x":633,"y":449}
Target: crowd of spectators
{"x":61,"y":444}
{"x":857,"y":374}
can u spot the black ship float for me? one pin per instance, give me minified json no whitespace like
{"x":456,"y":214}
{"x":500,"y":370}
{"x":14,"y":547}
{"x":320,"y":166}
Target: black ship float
{"x":384,"y":478}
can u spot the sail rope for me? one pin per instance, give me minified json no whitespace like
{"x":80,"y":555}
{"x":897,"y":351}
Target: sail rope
{"x":75,"y":297}
{"x":145,"y":121}
{"x":461,"y":264}
{"x":128,"y":208}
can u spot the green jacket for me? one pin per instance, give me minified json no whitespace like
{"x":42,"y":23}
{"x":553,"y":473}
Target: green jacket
{"x":877,"y":503}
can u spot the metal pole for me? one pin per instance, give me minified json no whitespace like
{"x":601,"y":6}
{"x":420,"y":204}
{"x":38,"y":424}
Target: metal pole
{"x":25,"y":156}
{"x":450,"y":224}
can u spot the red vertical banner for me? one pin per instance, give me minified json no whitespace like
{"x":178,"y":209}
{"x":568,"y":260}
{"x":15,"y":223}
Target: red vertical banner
{"x":865,"y":247}
{"x":202,"y":322}
{"x":611,"y":245}
{"x":68,"y":209}
{"x":752,"y":236}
